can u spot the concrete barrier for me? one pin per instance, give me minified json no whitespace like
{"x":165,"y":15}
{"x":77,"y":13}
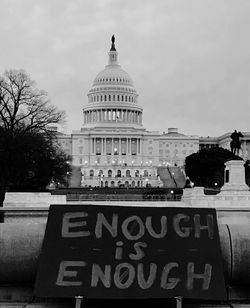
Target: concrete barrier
{"x":20,"y":246}
{"x":27,"y":199}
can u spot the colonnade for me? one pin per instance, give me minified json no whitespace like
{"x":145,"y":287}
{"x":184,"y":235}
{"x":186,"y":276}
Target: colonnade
{"x":113,"y":115}
{"x":112,"y":98}
{"x":116,"y":146}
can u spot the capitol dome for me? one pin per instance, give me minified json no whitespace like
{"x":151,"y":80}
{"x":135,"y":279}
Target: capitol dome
{"x":113,"y":74}
{"x":112,"y":97}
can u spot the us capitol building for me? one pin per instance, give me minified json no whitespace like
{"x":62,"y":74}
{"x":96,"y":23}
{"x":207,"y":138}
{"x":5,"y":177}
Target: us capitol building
{"x":114,"y":149}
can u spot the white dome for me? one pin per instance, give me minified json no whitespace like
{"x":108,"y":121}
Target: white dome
{"x":112,"y":99}
{"x":113,"y":74}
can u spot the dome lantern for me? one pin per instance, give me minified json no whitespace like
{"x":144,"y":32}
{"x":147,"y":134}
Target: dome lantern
{"x":113,"y":53}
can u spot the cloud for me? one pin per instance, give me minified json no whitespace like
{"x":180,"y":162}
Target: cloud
{"x":189,"y":59}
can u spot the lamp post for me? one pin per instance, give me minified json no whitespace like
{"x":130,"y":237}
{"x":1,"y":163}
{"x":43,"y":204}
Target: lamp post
{"x":67,"y":173}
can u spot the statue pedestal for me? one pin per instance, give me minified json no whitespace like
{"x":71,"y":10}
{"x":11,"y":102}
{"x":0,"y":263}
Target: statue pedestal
{"x":234,"y":177}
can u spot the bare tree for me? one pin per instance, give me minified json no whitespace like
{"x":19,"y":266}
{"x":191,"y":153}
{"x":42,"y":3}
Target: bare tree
{"x":23,"y":106}
{"x":25,"y":112}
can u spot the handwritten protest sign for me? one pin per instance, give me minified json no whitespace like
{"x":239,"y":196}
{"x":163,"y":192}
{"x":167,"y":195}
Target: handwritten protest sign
{"x":130,"y":252}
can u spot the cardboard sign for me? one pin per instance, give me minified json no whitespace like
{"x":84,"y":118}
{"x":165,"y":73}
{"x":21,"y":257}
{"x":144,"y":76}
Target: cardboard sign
{"x":130,"y":252}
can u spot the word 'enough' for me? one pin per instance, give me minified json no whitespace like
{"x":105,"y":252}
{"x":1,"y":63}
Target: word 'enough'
{"x":125,"y":274}
{"x":75,"y":224}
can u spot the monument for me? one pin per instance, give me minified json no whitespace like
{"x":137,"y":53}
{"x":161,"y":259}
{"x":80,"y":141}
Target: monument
{"x":235,"y":144}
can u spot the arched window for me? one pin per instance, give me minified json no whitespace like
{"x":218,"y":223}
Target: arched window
{"x":119,"y":183}
{"x":133,"y":183}
{"x":110,"y":173}
{"x":119,"y":173}
{"x":109,"y":97}
{"x":126,"y":98}
{"x":98,"y":98}
{"x":127,"y":173}
{"x":91,"y":172}
{"x":145,"y":173}
{"x":137,"y":173}
{"x":126,"y":184}
{"x":122,"y":98}
{"x":101,"y":98}
{"x":100,"y":172}
{"x":105,"y":98}
{"x":112,"y":184}
{"x":106,"y":184}
{"x":118,"y":98}
{"x":138,"y":184}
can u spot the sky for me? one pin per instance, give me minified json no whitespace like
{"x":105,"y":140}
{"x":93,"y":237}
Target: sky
{"x":189,"y":59}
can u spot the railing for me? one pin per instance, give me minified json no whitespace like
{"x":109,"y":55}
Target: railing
{"x":123,"y":197}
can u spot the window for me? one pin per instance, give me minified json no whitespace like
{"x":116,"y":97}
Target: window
{"x":109,"y":173}
{"x":127,"y":173}
{"x":91,"y":172}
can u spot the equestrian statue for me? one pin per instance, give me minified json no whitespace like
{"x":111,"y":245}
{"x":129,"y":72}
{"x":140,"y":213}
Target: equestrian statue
{"x":235,"y":144}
